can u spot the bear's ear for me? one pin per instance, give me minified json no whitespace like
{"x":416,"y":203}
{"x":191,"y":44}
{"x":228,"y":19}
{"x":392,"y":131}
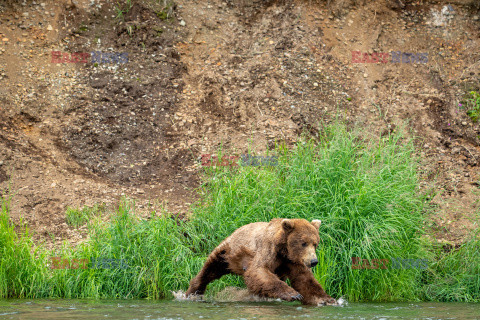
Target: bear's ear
{"x":287,"y":225}
{"x":316,"y":224}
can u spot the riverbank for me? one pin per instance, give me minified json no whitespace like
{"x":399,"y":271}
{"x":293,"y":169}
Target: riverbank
{"x":364,"y":189}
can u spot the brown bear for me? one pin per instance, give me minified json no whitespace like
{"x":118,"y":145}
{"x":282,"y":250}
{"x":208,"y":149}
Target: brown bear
{"x":266,"y":254}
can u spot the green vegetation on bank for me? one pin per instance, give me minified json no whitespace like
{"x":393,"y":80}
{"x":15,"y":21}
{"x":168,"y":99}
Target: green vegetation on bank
{"x":455,"y":276}
{"x":122,"y":9}
{"x":473,"y":106}
{"x":365,"y":192}
{"x":78,"y":217}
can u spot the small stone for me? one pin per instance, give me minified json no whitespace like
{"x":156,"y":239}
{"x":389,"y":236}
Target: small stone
{"x":456,"y":150}
{"x":25,"y":14}
{"x":315,"y":84}
{"x":49,"y":28}
{"x":183,"y":23}
{"x":464,"y":123}
{"x":476,"y":18}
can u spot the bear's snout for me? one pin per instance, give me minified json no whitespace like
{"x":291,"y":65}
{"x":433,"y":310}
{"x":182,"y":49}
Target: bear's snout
{"x":313,"y":263}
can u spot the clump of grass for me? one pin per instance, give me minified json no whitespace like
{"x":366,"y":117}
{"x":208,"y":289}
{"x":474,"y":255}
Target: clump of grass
{"x":123,"y":8}
{"x":77,"y":217}
{"x":130,"y":30}
{"x":158,"y":261}
{"x":21,"y":272}
{"x":83,"y":28}
{"x":473,"y":105}
{"x":166,"y":11}
{"x":455,"y":276}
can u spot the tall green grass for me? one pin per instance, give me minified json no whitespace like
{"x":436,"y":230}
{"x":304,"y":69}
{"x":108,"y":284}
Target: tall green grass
{"x":455,"y":276}
{"x":20,"y":273}
{"x":77,"y":217}
{"x":364,"y":190}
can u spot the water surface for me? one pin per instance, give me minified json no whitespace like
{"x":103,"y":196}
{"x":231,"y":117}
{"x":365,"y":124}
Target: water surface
{"x":142,"y":309}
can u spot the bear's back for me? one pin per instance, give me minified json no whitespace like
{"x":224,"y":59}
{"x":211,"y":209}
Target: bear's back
{"x":247,"y":236}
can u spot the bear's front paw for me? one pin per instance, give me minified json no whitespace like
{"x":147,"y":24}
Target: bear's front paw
{"x":320,"y":303}
{"x":328,"y":302}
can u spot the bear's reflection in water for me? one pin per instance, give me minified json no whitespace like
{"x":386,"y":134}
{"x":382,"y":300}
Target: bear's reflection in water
{"x":234,"y":294}
{"x":229,"y":294}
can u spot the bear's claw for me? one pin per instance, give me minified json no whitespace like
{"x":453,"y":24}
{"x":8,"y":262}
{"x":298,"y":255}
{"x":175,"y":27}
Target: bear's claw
{"x":297,"y":297}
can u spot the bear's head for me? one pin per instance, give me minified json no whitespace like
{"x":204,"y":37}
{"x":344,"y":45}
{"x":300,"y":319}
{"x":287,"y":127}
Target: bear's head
{"x":302,"y":240}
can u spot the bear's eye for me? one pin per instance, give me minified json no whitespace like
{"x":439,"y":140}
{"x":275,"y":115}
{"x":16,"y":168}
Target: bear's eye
{"x":304,"y":244}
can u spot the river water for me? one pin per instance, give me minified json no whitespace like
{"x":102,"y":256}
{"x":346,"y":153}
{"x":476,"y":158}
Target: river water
{"x":169,"y":309}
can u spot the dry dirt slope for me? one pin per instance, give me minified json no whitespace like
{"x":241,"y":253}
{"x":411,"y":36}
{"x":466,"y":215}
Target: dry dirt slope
{"x":237,"y":74}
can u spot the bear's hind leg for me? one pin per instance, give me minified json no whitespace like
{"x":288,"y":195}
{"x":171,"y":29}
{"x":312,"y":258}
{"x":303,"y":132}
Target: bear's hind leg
{"x":215,"y":267}
{"x":263,"y":282}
